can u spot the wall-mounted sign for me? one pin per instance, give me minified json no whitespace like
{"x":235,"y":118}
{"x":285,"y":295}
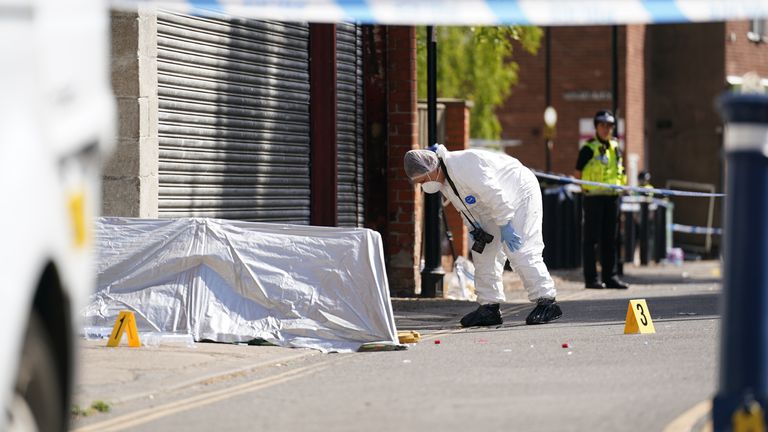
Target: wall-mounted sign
{"x":587,"y":95}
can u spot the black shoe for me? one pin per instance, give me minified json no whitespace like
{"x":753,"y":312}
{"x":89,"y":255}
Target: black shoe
{"x":594,"y":285}
{"x":546,"y":310}
{"x":616,"y":283}
{"x":484,"y":315}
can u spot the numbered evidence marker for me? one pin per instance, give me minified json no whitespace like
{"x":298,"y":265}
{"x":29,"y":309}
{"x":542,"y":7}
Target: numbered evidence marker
{"x":638,"y":318}
{"x":125,"y":322}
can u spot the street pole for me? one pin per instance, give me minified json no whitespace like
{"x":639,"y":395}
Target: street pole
{"x":432,"y":275}
{"x":743,"y":386}
{"x":622,"y":149}
{"x":615,"y":77}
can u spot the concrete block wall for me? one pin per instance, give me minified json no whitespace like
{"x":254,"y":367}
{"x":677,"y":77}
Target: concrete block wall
{"x":405,"y":206}
{"x":131,"y":175}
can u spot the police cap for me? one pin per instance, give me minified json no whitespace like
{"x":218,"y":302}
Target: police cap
{"x":604,"y":116}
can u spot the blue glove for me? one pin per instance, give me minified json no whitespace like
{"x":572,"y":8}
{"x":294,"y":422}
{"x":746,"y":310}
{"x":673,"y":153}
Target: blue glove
{"x":510,"y":237}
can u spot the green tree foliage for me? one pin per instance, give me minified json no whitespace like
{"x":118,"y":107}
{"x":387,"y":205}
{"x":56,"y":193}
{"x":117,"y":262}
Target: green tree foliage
{"x":475,"y":63}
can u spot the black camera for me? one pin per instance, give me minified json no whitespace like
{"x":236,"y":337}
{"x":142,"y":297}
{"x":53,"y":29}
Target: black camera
{"x":482,"y":238}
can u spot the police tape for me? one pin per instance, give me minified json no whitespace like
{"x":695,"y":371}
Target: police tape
{"x":477,"y":12}
{"x":637,"y":199}
{"x":637,"y":189}
{"x":695,"y":229}
{"x":567,"y":189}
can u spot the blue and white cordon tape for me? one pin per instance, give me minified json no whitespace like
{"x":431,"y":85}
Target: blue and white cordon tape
{"x":644,"y":190}
{"x":638,"y":189}
{"x":695,"y":229}
{"x":469,"y":12}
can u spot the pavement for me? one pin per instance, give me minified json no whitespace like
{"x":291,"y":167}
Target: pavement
{"x":123,"y":374}
{"x":118,"y":376}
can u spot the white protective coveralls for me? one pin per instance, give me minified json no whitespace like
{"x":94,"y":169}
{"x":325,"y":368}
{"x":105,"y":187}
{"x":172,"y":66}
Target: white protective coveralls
{"x":496,"y":188}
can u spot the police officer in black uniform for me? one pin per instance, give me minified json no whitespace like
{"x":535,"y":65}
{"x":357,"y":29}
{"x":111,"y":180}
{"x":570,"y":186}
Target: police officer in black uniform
{"x":600,"y":161}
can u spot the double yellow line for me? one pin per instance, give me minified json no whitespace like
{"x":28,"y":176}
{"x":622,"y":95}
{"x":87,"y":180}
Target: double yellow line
{"x":147,"y":415}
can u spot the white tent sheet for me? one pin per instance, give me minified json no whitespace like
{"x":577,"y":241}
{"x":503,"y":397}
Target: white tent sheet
{"x":234,"y":281}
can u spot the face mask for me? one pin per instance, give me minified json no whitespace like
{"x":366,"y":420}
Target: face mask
{"x":431,"y":187}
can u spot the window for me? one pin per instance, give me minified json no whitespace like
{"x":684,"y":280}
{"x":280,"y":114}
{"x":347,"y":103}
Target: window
{"x":756,"y":31}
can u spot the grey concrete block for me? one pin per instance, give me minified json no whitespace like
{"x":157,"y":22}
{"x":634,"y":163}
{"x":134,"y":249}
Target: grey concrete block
{"x":125,"y":34}
{"x":129,"y":118}
{"x":121,"y":196}
{"x":125,"y":160}
{"x":125,"y":77}
{"x":125,"y":52}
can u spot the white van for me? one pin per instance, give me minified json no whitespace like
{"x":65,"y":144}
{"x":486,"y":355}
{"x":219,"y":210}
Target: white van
{"x":56,"y":126}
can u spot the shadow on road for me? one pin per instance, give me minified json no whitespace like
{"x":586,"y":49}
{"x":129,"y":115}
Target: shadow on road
{"x":697,"y":272}
{"x":437,"y":314}
{"x":647,"y":279}
{"x":644,"y":278}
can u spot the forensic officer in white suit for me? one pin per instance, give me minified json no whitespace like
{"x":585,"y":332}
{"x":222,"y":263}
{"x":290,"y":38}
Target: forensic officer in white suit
{"x":500,"y":201}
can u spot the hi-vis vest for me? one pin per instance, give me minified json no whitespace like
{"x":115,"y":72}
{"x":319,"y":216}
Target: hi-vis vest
{"x":603,"y":169}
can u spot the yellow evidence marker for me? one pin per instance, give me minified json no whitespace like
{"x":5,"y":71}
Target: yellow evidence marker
{"x":638,"y":318}
{"x":125,"y":322}
{"x":408,"y":336}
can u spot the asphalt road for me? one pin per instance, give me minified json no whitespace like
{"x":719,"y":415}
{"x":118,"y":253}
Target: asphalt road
{"x":512,"y":377}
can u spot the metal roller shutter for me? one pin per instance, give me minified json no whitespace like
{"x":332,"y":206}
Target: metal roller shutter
{"x":233,"y":119}
{"x":350,"y":125}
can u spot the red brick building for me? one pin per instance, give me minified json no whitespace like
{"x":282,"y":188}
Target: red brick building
{"x":669,"y":77}
{"x":394,"y":207}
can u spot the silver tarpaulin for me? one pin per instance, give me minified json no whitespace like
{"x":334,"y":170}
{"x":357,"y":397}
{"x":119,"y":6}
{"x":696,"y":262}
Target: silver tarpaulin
{"x":234,"y":281}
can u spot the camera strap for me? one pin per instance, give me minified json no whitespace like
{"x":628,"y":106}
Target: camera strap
{"x":469,"y":217}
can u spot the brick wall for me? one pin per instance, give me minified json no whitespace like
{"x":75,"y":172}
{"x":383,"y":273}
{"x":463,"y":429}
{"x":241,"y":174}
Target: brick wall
{"x":634,"y":94}
{"x":741,"y":54}
{"x":669,"y":77}
{"x":456,"y":138}
{"x":580,"y":84}
{"x":521,"y":115}
{"x":404,"y":200}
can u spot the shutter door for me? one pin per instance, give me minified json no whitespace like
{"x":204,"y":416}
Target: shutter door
{"x":233,"y":119}
{"x":350,"y":125}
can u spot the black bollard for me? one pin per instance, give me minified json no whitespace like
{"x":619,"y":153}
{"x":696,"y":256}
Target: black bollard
{"x":740,"y":402}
